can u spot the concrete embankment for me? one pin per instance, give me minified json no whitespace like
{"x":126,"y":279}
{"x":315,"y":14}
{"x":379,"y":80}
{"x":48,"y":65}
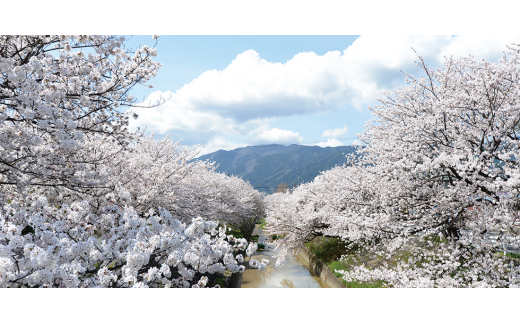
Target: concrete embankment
{"x":320,"y":269}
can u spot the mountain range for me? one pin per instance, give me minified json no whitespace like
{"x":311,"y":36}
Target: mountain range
{"x":265,"y":167}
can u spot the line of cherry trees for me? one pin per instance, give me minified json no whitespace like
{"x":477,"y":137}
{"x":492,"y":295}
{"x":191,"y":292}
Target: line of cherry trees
{"x":86,"y":203}
{"x":437,"y":180}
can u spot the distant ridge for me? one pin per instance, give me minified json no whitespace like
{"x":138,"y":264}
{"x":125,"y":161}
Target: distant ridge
{"x":267,"y":166}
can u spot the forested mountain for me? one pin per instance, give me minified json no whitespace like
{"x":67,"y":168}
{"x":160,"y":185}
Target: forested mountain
{"x":265,"y":167}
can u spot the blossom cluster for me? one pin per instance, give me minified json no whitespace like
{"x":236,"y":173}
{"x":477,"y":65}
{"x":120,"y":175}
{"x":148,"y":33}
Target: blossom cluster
{"x":72,"y":246}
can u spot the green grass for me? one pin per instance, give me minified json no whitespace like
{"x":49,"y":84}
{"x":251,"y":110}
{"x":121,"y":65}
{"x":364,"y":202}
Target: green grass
{"x":220,"y":281}
{"x":327,"y":249}
{"x":330,"y":250}
{"x":236,"y":234}
{"x":263,"y":223}
{"x":510,"y":255}
{"x":340,"y":265}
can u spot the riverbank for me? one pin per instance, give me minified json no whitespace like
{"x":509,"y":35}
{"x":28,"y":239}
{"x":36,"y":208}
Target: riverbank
{"x":320,"y":269}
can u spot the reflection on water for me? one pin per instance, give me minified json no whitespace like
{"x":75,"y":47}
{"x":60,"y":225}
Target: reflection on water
{"x":287,"y":283}
{"x":295,"y":274}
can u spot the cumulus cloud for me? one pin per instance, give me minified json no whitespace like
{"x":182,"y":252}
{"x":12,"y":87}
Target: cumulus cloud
{"x":184,"y":121}
{"x":356,"y":142}
{"x":265,"y":135}
{"x":251,"y":90}
{"x":331,"y":142}
{"x":335,"y":132}
{"x":218,"y":143}
{"x":488,"y":47}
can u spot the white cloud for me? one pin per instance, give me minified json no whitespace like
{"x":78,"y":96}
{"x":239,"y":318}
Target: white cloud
{"x":265,"y":135}
{"x":331,"y":142}
{"x":251,"y":90}
{"x":489,"y":47}
{"x":356,"y":142}
{"x":335,"y":132}
{"x":184,"y":121}
{"x":218,"y":143}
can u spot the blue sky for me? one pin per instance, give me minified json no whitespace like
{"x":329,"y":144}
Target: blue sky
{"x":226,"y":92}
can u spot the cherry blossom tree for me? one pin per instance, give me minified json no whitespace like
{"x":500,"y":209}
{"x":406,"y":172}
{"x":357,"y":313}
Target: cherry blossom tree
{"x":160,"y":173}
{"x":86,"y":203}
{"x":55,"y":93}
{"x":436,"y":188}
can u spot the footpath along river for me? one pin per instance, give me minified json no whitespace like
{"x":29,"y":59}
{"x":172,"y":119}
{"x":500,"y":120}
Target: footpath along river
{"x":296,"y":273}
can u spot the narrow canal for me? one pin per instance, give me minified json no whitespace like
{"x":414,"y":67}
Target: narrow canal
{"x":294,"y":274}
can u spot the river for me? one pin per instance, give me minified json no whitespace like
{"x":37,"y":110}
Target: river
{"x":294,"y":274}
